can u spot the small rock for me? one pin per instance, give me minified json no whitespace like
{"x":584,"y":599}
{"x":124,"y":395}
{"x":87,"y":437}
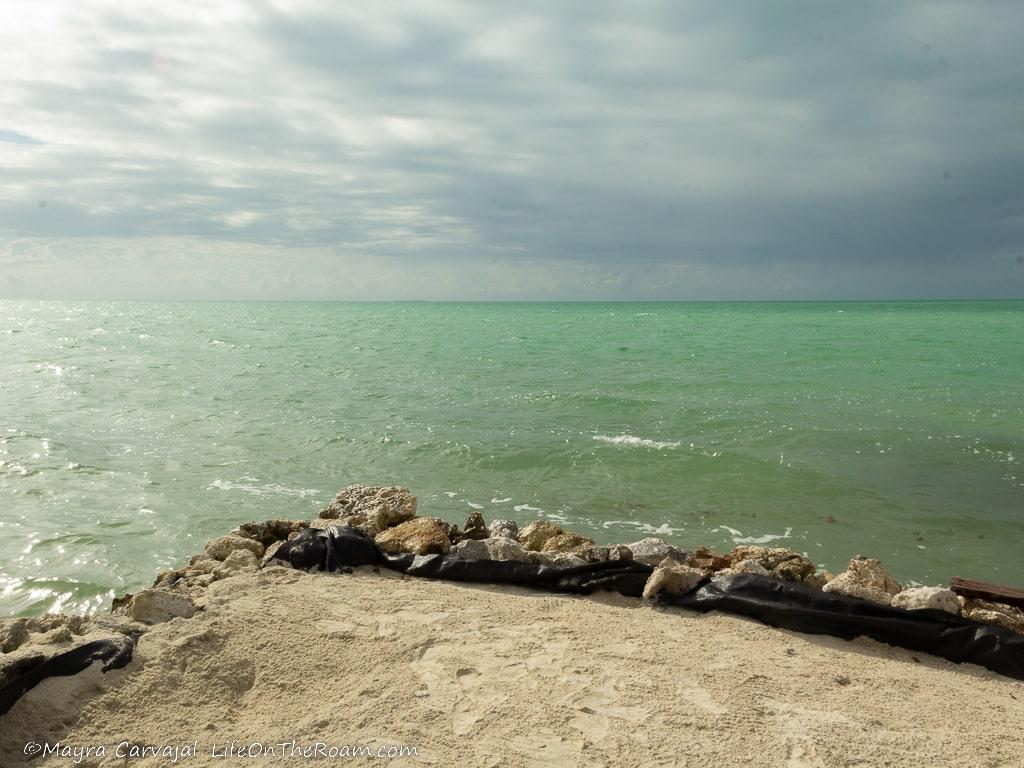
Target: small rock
{"x":455,"y":535}
{"x":203,"y":565}
{"x":817,"y":580}
{"x":271,"y":552}
{"x":57,"y":635}
{"x":420,"y":536}
{"x":708,"y":560}
{"x":269,"y":531}
{"x":166,"y":578}
{"x":13,"y":634}
{"x":506,"y":528}
{"x":673,"y":577}
{"x":536,"y":534}
{"x":620,"y":552}
{"x":652,"y":551}
{"x":594,"y":554}
{"x":842,"y":680}
{"x":220,"y":548}
{"x":864,"y":578}
{"x":986,"y":612}
{"x":152,"y":606}
{"x":934,"y":598}
{"x":382,"y":506}
{"x":475,"y":527}
{"x":566,"y":542}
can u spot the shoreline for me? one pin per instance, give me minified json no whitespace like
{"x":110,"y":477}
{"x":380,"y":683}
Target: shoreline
{"x":217,"y":641}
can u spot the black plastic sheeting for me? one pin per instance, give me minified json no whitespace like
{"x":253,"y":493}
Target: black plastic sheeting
{"x":777,"y":603}
{"x":115,"y":653}
{"x":800,"y":608}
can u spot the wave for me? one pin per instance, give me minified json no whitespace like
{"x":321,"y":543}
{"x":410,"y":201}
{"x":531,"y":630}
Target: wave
{"x":270,"y":489}
{"x":636,"y":442}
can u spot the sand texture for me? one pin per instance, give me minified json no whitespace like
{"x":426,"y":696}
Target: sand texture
{"x":480,"y":676}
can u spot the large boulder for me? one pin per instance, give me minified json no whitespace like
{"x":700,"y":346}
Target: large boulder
{"x":781,"y":563}
{"x":932,"y":598}
{"x":504,"y":548}
{"x":745,"y":566}
{"x":475,"y":527}
{"x":569,"y":543}
{"x":420,"y":536}
{"x":153,"y":606}
{"x":496,"y":548}
{"x":506,"y":528}
{"x":219,"y":549}
{"x":867,"y":579}
{"x":239,"y":561}
{"x":471,"y":549}
{"x":673,"y":577}
{"x":652,"y":551}
{"x":986,"y":612}
{"x":536,"y":534}
{"x":378,"y":506}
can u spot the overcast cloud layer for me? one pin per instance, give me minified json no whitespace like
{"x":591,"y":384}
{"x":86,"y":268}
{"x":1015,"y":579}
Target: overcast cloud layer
{"x":528,"y":150}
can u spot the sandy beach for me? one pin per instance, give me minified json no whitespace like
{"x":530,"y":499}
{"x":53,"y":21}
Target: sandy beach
{"x":482,"y":676}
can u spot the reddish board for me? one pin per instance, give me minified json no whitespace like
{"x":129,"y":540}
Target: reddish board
{"x":985,"y":591}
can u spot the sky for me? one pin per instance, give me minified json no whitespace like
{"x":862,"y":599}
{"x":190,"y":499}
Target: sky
{"x":579,"y":150}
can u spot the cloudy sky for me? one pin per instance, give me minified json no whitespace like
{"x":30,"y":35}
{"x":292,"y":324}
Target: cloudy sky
{"x":511,"y":150}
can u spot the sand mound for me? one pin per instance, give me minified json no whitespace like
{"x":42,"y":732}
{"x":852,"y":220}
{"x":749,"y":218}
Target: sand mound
{"x":481,"y":676}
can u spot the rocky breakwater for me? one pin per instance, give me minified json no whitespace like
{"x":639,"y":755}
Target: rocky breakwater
{"x":388,"y":515}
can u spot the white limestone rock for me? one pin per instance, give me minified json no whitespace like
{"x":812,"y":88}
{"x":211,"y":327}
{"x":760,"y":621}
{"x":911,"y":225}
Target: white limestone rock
{"x":934,"y":598}
{"x":652,"y":551}
{"x":378,"y":507}
{"x":672,"y":577}
{"x":219,"y":549}
{"x":867,"y":579}
{"x":470,"y":549}
{"x":506,"y":528}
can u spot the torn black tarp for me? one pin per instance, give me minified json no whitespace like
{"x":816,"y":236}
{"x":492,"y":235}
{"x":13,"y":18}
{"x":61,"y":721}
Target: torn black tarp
{"x":778,"y":603}
{"x":114,"y":652}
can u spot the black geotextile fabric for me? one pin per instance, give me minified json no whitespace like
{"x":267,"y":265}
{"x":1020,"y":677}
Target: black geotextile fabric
{"x":777,"y":603}
{"x":114,"y":653}
{"x":800,"y":608}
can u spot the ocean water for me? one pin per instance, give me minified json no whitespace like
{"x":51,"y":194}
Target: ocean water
{"x":130,"y":433}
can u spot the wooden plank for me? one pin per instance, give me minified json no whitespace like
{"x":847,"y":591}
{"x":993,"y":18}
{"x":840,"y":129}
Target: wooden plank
{"x":986,"y":591}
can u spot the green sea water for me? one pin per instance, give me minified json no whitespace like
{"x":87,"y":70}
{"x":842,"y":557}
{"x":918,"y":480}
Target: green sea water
{"x":130,"y":433}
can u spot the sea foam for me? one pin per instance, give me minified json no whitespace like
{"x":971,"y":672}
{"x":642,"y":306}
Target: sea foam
{"x":634,"y":441}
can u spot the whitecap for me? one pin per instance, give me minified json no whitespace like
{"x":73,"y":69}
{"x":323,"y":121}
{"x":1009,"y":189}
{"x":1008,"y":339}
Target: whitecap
{"x":471,"y":505}
{"x":634,"y":441}
{"x":660,"y":530}
{"x":762,"y":539}
{"x":450,"y":494}
{"x":270,"y":489}
{"x":526,"y":508}
{"x":501,"y":501}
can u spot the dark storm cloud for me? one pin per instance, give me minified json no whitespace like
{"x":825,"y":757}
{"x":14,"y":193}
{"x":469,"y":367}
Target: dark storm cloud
{"x":697,"y":149}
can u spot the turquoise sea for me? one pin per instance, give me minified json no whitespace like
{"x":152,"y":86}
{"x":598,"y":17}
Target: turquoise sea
{"x":130,"y":433}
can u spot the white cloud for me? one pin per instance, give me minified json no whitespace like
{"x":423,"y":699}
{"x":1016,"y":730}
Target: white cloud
{"x":520,"y":150}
